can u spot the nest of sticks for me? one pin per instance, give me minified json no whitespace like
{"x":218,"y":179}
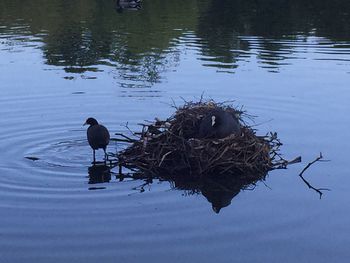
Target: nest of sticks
{"x":170,"y":149}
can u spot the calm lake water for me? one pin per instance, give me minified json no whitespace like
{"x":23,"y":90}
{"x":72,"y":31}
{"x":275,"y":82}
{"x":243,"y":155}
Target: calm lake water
{"x":287,"y":62}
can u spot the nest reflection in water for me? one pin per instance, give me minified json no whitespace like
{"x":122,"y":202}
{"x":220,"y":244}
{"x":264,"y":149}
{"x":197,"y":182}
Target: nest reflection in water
{"x":218,"y":191}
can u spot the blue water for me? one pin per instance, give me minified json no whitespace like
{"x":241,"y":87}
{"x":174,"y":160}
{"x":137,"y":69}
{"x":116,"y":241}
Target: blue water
{"x":63,"y":62}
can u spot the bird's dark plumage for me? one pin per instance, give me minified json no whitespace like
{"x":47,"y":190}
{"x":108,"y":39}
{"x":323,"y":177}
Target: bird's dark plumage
{"x":218,"y":124}
{"x":97,"y":135}
{"x":128,"y":5}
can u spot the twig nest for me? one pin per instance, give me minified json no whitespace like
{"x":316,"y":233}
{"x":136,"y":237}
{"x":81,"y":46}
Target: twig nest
{"x":174,"y":148}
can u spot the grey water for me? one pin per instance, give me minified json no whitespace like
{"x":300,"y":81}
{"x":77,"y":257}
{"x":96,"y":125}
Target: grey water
{"x":286,"y":62}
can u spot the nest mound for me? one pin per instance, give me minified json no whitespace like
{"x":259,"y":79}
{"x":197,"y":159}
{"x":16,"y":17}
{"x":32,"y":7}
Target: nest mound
{"x":171,"y":149}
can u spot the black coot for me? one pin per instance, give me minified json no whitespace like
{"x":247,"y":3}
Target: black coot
{"x":97,"y":135}
{"x":122,"y":5}
{"x":218,"y":124}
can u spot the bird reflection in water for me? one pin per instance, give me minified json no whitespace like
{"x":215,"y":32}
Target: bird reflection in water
{"x":219,"y":191}
{"x":220,"y":196}
{"x":122,"y":5}
{"x":99,"y":174}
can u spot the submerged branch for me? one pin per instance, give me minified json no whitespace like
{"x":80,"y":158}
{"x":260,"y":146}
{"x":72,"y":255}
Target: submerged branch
{"x":318,"y":190}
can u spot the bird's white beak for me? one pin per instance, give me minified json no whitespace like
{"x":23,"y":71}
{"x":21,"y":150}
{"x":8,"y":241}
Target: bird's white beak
{"x":84,"y":124}
{"x":213,"y":118}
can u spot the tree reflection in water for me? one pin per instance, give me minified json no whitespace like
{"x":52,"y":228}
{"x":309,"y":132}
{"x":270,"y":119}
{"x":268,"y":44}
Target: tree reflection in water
{"x":88,"y":36}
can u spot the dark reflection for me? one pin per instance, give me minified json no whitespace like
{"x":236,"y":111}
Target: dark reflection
{"x":220,"y":196}
{"x":278,"y":18}
{"x":219,"y":30}
{"x":122,"y":5}
{"x":99,"y":173}
{"x":223,"y":23}
{"x":218,"y":190}
{"x":85,"y":37}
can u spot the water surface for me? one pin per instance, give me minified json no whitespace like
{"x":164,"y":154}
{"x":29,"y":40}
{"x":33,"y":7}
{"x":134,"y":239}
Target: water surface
{"x":287,"y":62}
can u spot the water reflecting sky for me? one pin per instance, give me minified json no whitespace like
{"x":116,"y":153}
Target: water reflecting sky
{"x":287,"y":62}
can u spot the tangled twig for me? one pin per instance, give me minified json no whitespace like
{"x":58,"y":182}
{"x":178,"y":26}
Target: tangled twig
{"x":318,"y":190}
{"x":171,"y":148}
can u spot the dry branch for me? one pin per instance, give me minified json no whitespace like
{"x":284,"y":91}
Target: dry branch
{"x":318,"y":190}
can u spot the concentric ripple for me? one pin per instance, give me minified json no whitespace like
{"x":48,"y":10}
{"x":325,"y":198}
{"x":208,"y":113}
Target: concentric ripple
{"x":64,"y":61}
{"x":46,"y":154}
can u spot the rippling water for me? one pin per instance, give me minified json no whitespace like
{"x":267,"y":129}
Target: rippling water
{"x":288,"y":63}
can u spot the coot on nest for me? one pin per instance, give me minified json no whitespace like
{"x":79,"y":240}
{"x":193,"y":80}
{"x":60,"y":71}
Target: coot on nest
{"x":218,"y":124}
{"x":98,"y":136}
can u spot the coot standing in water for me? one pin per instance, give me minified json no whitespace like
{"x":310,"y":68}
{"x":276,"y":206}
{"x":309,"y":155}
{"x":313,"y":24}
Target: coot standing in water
{"x":218,"y":124}
{"x":98,"y":136}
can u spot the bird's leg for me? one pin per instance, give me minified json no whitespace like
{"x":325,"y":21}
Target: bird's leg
{"x":94,"y":156}
{"x":106,"y":156}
